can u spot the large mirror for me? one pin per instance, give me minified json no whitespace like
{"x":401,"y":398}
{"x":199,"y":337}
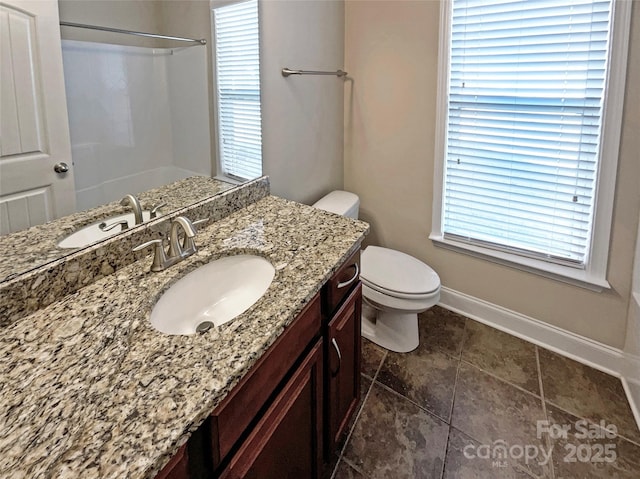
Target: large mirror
{"x":142,"y":112}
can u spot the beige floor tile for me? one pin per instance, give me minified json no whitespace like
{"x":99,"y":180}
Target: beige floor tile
{"x":372,"y":356}
{"x":490,"y":410}
{"x":506,"y":356}
{"x":395,"y":438}
{"x":441,"y":329}
{"x":587,"y":452}
{"x":465,"y":461}
{"x":427,"y":377}
{"x":587,"y":393}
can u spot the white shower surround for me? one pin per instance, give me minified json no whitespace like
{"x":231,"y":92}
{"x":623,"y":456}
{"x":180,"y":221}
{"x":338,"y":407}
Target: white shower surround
{"x":138,"y":117}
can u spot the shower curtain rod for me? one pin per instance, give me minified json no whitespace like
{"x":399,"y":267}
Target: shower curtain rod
{"x":201,"y":41}
{"x":287,"y":71}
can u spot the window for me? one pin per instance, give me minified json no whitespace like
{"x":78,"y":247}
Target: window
{"x":237,"y":60}
{"x":530,"y":118}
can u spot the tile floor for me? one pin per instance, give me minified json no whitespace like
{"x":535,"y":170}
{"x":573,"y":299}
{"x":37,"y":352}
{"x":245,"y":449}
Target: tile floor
{"x":474,"y":402}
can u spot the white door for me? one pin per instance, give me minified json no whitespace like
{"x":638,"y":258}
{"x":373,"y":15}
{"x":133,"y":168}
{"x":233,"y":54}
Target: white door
{"x":34,"y":127}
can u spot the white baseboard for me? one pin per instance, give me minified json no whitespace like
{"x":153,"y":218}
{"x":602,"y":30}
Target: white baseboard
{"x":584,"y":350}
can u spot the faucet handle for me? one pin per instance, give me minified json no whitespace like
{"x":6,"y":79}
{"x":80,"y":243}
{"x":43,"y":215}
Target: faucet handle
{"x":159,"y":256}
{"x":124,"y":224}
{"x":199,"y":222}
{"x":156,"y":209}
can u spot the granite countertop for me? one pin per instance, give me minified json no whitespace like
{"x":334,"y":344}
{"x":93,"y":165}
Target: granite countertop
{"x":24,"y":250}
{"x":90,"y":389}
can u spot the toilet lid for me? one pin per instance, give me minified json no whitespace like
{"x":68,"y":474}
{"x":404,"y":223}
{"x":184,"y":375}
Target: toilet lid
{"x":397,"y":272}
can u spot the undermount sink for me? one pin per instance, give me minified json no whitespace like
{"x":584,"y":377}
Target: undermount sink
{"x":213,"y":294}
{"x":87,"y":235}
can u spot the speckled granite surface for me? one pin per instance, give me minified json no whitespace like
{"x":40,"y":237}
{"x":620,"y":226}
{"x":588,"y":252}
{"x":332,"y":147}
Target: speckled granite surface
{"x":42,"y":286}
{"x":28,"y":249}
{"x":91,"y":390}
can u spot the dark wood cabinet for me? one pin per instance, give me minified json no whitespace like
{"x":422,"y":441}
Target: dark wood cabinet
{"x":178,"y":466}
{"x":287,"y":441}
{"x":232,"y":419}
{"x":341,"y":284}
{"x":342,"y":372}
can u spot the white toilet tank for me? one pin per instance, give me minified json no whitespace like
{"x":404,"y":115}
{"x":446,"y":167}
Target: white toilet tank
{"x":340,"y":202}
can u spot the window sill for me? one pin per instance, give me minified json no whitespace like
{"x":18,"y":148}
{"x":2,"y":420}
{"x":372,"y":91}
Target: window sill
{"x":565,"y":274}
{"x":228,"y":179}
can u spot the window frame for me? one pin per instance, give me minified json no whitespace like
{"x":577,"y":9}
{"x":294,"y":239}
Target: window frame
{"x":218,"y":155}
{"x":593,"y":276}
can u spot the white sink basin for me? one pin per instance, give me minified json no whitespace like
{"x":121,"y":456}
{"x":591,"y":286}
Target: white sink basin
{"x":216,"y":292}
{"x":87,"y":235}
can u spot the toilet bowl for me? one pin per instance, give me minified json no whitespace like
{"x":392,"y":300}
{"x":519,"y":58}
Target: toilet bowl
{"x":395,"y":286}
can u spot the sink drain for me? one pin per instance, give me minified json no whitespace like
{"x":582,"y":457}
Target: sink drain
{"x":204,"y":327}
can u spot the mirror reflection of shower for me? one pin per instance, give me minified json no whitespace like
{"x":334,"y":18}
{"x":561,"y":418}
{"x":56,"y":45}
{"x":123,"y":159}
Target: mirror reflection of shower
{"x":138,"y":117}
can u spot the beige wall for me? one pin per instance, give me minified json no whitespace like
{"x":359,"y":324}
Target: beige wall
{"x":630,"y":140}
{"x":125,"y":15}
{"x":632,"y":340}
{"x":391,"y":52}
{"x":302,"y":115}
{"x":179,"y":18}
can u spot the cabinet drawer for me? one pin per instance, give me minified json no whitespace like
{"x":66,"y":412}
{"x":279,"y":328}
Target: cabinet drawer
{"x":341,"y":283}
{"x":230,"y":419}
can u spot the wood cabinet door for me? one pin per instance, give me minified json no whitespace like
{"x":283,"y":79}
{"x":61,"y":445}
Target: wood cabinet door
{"x":287,"y":442}
{"x":343,"y":367}
{"x":178,"y":466}
{"x":232,"y":419}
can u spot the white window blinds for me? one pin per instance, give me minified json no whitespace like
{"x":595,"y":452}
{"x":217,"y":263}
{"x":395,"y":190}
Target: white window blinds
{"x":526,"y":88}
{"x":238,"y":89}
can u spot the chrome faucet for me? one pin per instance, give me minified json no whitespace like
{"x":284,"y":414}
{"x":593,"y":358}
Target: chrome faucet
{"x":177,"y":251}
{"x":132,"y":201}
{"x":188,"y":247}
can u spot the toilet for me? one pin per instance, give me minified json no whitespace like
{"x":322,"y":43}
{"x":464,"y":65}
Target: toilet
{"x":395,"y":286}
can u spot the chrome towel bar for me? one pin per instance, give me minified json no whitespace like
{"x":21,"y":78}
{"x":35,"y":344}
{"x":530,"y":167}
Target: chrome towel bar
{"x":287,"y":71}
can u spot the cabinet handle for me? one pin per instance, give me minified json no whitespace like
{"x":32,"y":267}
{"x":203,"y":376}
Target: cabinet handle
{"x":348,"y":282}
{"x":335,"y":346}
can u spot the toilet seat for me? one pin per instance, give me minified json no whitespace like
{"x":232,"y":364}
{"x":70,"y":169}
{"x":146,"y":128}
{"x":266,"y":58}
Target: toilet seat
{"x":386,"y":302}
{"x":396,"y":294}
{"x":397,"y":274}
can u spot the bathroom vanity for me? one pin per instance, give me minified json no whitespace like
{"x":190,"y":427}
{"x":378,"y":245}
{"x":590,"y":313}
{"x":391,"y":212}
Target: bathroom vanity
{"x":293,"y":406}
{"x":91,"y":389}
